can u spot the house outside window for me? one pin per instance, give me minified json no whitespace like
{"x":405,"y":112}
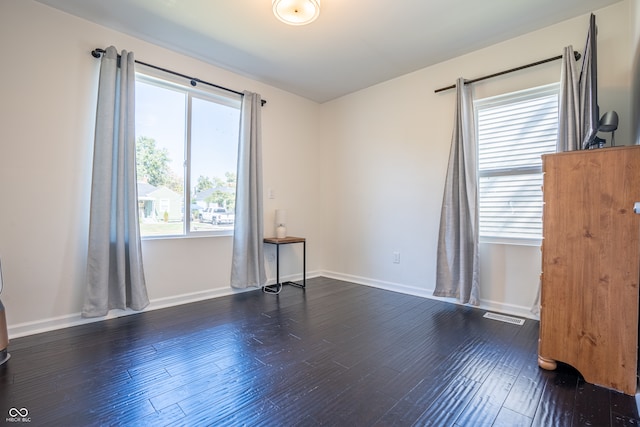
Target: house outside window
{"x":514,"y":130}
{"x":186,"y":157}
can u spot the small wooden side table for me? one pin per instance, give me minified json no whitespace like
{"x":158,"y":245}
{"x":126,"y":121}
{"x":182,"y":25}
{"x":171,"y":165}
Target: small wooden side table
{"x":277,"y":287}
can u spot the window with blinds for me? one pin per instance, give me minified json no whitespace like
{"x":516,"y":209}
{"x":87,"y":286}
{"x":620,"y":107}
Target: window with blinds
{"x":513,"y":131}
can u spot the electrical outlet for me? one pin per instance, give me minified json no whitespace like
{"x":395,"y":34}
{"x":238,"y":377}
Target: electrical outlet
{"x":271,"y":258}
{"x":396,"y":257}
{"x":272,"y":193}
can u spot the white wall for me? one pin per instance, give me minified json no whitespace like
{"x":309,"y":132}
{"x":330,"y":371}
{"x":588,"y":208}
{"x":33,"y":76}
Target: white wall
{"x":634,"y":53}
{"x":48,"y":83}
{"x":360,"y":177}
{"x":387,"y":148}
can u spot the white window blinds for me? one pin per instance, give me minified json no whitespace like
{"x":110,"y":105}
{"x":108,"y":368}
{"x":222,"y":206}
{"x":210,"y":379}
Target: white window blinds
{"x":514,"y":130}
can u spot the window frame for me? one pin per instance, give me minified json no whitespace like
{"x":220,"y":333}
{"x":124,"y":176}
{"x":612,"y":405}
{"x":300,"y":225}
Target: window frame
{"x":152,"y":76}
{"x":505,"y":99}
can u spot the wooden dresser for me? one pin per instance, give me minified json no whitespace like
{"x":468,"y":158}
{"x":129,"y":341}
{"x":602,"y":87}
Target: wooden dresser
{"x":591,"y":265}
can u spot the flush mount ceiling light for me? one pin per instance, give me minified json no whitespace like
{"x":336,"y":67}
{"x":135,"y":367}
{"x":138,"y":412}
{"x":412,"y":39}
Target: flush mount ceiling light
{"x":296,"y":12}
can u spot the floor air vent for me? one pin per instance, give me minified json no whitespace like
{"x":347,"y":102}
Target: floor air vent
{"x":503,"y":318}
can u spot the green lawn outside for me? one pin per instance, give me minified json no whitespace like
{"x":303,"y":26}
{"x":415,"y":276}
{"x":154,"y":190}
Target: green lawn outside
{"x":161,"y":228}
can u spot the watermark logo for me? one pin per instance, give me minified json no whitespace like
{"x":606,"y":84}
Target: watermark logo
{"x":18,"y":415}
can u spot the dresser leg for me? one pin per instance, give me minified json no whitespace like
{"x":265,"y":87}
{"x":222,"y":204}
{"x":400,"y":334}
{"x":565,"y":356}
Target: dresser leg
{"x":548,"y":364}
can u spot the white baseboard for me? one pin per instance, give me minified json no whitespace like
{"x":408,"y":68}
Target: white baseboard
{"x":510,"y":309}
{"x":75,"y":319}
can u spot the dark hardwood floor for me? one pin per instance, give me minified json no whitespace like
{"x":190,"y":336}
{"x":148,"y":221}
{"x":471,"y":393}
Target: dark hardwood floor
{"x":334,"y":354}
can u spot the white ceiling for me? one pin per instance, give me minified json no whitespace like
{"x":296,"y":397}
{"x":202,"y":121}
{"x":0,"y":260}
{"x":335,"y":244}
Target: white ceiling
{"x":352,"y":45}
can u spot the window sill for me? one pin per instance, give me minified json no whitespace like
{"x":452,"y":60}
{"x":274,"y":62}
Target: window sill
{"x":189,"y":236}
{"x":510,"y":242}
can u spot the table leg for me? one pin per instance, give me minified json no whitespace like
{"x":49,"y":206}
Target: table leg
{"x":304,"y":268}
{"x":277,"y":287}
{"x":278,"y":265}
{"x":304,"y":264}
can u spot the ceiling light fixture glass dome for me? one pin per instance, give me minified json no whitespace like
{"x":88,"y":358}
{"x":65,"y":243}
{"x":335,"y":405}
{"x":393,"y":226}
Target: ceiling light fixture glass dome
{"x":296,"y":12}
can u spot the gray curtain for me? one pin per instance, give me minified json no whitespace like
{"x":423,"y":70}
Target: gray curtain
{"x":115,"y":276}
{"x":570,"y":131}
{"x":589,"y":114}
{"x":247,"y":264}
{"x":457,"y":257}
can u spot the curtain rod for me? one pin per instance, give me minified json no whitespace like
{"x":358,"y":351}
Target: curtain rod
{"x":576,"y":54}
{"x":96,"y":53}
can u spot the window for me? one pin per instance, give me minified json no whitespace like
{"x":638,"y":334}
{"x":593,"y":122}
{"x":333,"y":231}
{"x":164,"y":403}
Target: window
{"x":514,"y":130}
{"x":186,"y":158}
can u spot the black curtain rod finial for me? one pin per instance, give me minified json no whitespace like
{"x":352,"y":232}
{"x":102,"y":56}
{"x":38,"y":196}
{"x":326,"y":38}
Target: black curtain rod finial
{"x":96,"y":53}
